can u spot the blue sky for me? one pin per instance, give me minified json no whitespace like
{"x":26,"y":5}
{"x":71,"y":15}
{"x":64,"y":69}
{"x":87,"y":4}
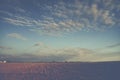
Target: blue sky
{"x":60,"y":30}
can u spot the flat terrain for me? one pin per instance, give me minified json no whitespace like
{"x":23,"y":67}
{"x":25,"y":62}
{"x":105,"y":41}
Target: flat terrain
{"x":60,"y":71}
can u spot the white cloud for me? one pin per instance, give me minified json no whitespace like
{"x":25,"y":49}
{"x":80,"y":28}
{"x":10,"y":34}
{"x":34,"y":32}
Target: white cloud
{"x":107,"y":18}
{"x":19,"y":21}
{"x":95,"y":11}
{"x":73,"y":53}
{"x":104,"y":57}
{"x":67,"y":18}
{"x":17,"y":36}
{"x":42,"y":52}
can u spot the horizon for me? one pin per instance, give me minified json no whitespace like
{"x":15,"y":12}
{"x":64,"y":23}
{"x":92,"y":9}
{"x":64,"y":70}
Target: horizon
{"x":4,"y":62}
{"x":59,"y":30}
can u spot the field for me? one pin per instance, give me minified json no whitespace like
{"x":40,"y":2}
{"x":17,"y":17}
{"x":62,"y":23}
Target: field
{"x":60,"y":71}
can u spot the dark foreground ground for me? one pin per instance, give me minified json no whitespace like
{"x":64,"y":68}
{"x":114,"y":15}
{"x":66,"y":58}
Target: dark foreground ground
{"x":60,"y":71}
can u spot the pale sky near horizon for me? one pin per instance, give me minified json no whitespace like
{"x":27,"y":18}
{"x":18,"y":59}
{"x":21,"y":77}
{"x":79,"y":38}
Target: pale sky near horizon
{"x":59,"y":30}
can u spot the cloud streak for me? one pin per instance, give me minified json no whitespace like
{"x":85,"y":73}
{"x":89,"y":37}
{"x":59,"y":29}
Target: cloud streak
{"x":19,"y":21}
{"x":114,"y":45}
{"x":4,"y":47}
{"x":17,"y":36}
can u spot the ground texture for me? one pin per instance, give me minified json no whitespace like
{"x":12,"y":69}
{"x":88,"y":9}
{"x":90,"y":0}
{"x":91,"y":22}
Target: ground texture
{"x":60,"y":71}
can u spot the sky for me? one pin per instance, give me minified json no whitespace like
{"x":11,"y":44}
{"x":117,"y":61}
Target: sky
{"x":59,"y":30}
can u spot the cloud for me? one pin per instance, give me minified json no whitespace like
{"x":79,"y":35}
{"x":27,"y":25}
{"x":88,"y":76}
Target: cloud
{"x":95,"y":11}
{"x":7,"y":50}
{"x":107,"y":19}
{"x":39,"y":44}
{"x":6,"y":13}
{"x":114,"y":45}
{"x":63,"y":54}
{"x":34,"y":58}
{"x":66,"y":18}
{"x":20,"y":9}
{"x":19,"y":21}
{"x":17,"y":36}
{"x":110,"y":56}
{"x":4,"y":47}
{"x":48,"y":54}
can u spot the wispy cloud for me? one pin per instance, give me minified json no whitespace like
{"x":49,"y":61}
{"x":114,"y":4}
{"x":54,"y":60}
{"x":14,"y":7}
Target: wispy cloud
{"x":17,"y":36}
{"x":64,"y":54}
{"x":114,"y":45}
{"x":19,"y":21}
{"x":59,"y":55}
{"x":7,"y":50}
{"x":4,"y":47}
{"x":49,"y":54}
{"x":106,"y":56}
{"x":6,"y":13}
{"x":42,"y":52}
{"x":68,"y":18}
{"x":39,"y":44}
{"x":20,"y":9}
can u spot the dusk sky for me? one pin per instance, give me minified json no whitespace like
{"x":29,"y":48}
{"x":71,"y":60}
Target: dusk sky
{"x":59,"y":30}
